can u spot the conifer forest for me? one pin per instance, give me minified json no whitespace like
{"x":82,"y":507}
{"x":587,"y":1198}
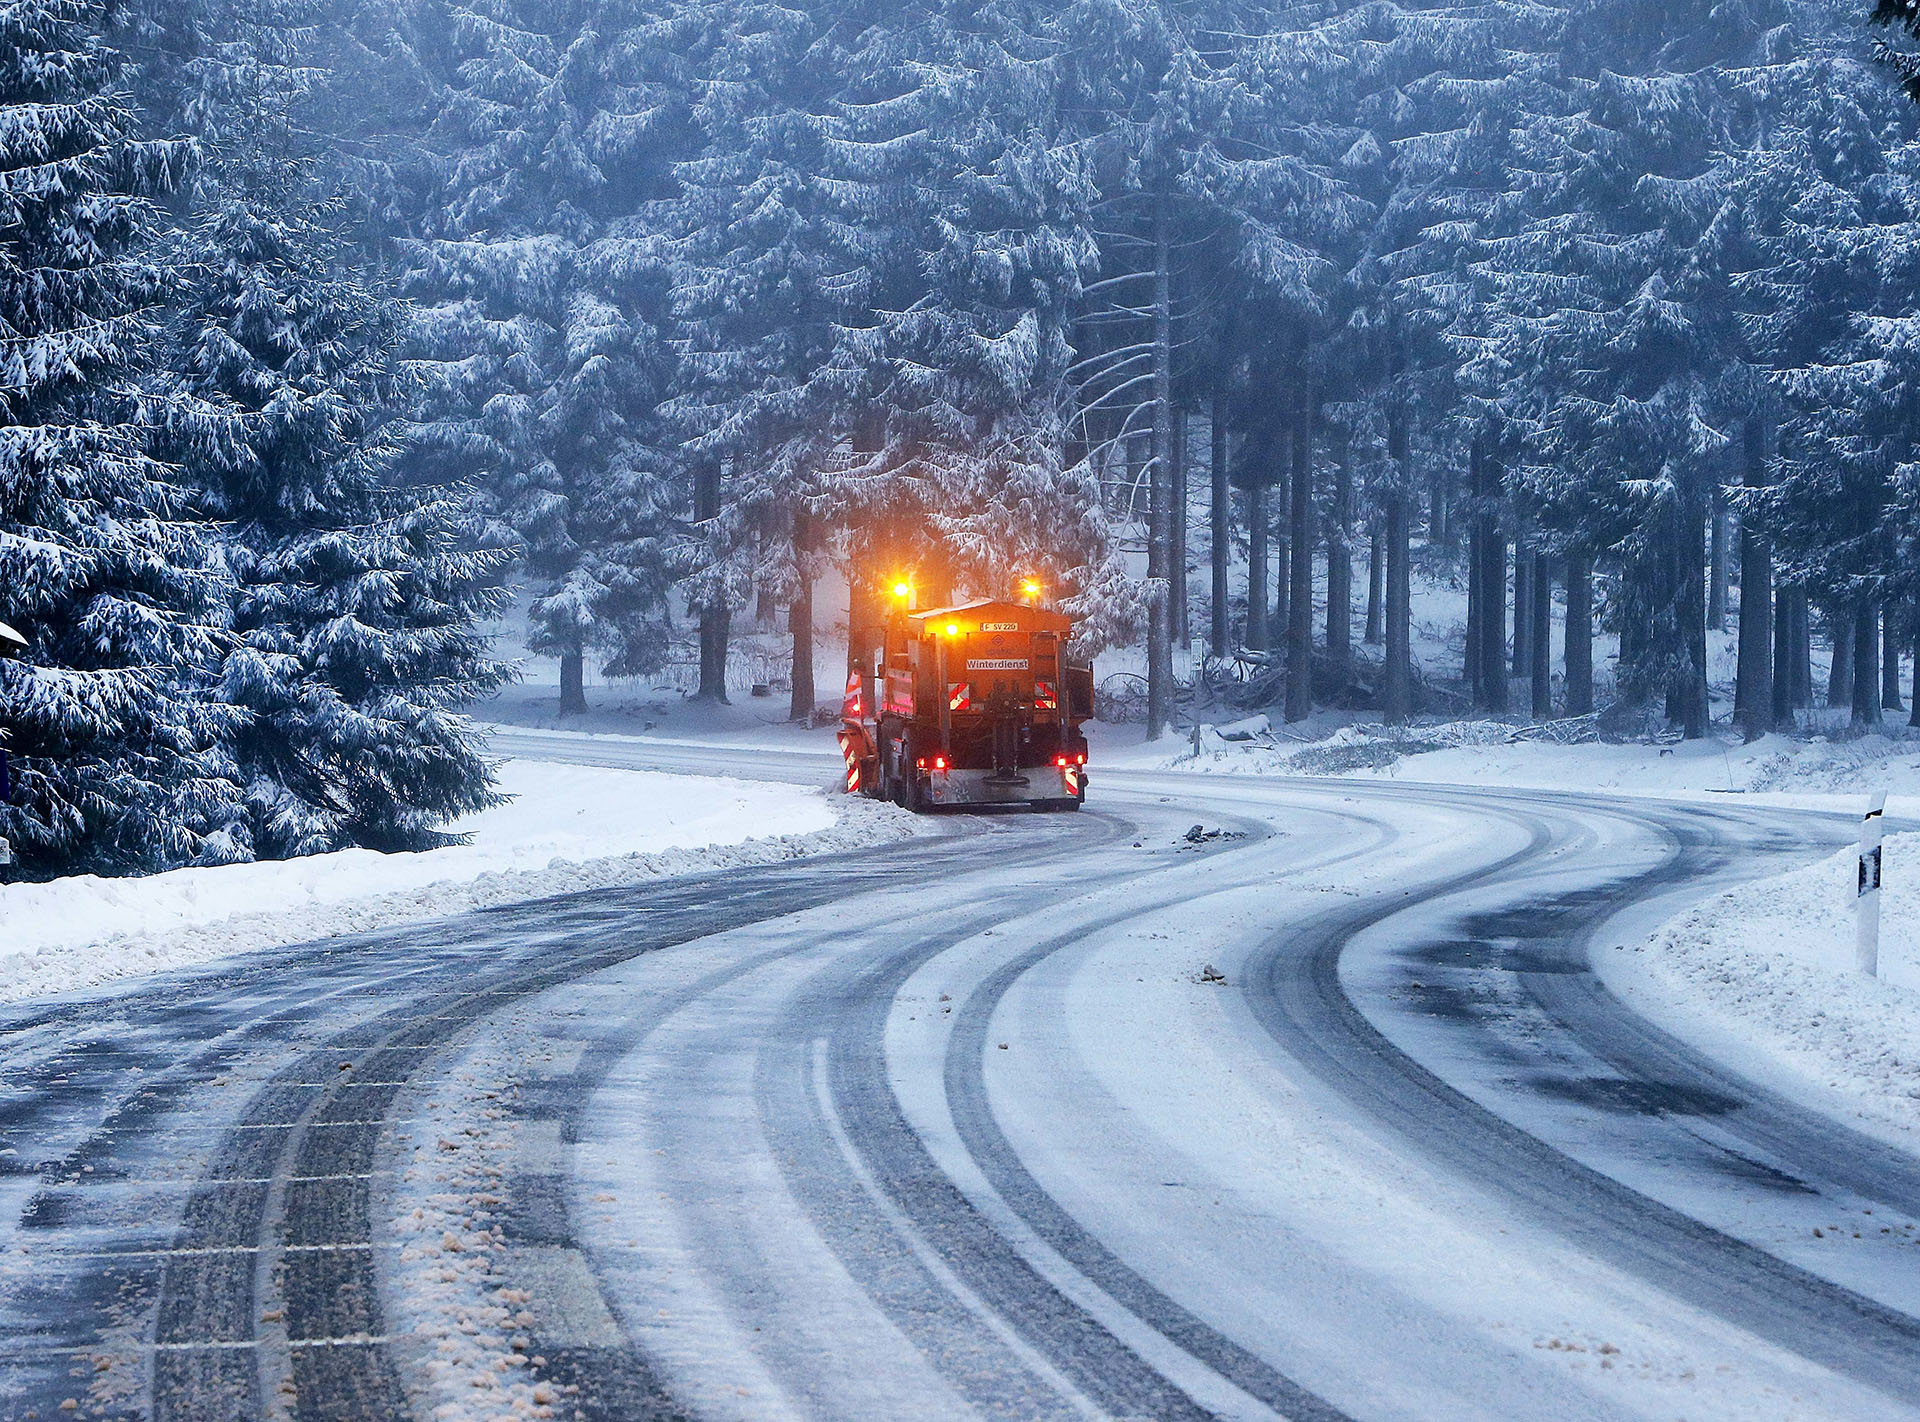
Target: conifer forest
{"x":325,"y":325}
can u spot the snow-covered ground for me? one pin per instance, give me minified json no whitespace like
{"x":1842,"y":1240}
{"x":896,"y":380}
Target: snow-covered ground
{"x":567,"y":828}
{"x":1763,"y":977}
{"x":1815,"y":770}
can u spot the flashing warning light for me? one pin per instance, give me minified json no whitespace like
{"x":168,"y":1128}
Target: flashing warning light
{"x":1031,"y":587}
{"x":953,"y":629}
{"x":903,"y":590}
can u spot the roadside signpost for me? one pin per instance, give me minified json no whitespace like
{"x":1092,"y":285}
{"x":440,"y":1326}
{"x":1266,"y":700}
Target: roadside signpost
{"x":1866,"y":910}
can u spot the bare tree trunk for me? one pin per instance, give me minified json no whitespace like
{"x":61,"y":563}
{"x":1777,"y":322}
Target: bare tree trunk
{"x":1541,"y":637}
{"x":716,"y":618}
{"x":1439,"y":522}
{"x":1340,"y":561}
{"x":1578,"y":656}
{"x":1470,"y":671}
{"x":1840,"y":672}
{"x":1753,"y":685}
{"x":1222,"y":529}
{"x":573,"y":684}
{"x":1913,"y":718}
{"x":1300,"y":541}
{"x":1397,"y":702}
{"x":1890,"y":661}
{"x":1802,"y":652}
{"x":863,"y":620}
{"x":1376,"y":581}
{"x":1159,"y":490}
{"x":1782,"y":699}
{"x":1474,"y":668}
{"x":1754,"y":701}
{"x":1696,"y":712}
{"x":1522,"y":613}
{"x":1493,"y":616}
{"x":1280,"y":620}
{"x":1866,"y":668}
{"x":716,"y":626}
{"x":800,"y":622}
{"x":1488,"y":557}
{"x":765,"y":609}
{"x":1717,"y":563}
{"x":1397,"y":682}
{"x":1177,"y":551}
{"x":1257,"y":561}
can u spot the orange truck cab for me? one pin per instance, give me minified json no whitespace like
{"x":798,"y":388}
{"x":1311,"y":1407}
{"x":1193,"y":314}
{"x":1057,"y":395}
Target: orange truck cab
{"x":978,"y":704}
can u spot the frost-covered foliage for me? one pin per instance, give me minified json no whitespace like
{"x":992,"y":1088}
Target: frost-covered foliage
{"x":354,"y":622}
{"x":117,"y":765}
{"x":874,"y":251}
{"x":356,"y":600}
{"x":537,"y":292}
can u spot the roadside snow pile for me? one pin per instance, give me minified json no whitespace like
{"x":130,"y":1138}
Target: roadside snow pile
{"x":1561,"y":755}
{"x":1252,"y":745}
{"x":568,"y":828}
{"x":1769,"y":966}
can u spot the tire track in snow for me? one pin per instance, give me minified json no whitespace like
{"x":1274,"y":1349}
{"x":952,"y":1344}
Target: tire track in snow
{"x":868,"y":1111}
{"x":1296,"y":992}
{"x":210,"y":1301}
{"x":965,"y":1080}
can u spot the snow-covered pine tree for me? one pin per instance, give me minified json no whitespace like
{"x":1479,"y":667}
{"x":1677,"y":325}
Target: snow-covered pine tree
{"x":537,"y":326}
{"x":116,"y":761}
{"x":1816,"y":241}
{"x":358,"y":600}
{"x":1211,"y":142}
{"x":1604,"y":322}
{"x":768,"y":272}
{"x":872,"y":252}
{"x":1452,"y":94}
{"x":947,"y":136}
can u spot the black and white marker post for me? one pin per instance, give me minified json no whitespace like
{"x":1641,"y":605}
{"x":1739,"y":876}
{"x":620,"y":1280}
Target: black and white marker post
{"x":1866,"y":904}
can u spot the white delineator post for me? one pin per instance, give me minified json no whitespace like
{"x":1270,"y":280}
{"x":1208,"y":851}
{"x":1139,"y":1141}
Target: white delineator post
{"x":1866,"y":904}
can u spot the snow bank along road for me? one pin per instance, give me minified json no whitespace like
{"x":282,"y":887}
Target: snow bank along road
{"x":962,"y":1127}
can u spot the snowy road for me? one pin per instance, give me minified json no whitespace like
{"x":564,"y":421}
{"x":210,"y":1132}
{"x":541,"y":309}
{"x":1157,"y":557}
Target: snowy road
{"x":957,"y":1128}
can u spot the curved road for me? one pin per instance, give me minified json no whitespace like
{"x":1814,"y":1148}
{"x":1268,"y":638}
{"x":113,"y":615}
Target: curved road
{"x":1318,"y":1113}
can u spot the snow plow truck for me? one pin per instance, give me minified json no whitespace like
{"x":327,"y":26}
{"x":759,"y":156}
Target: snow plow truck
{"x":976,"y":704}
